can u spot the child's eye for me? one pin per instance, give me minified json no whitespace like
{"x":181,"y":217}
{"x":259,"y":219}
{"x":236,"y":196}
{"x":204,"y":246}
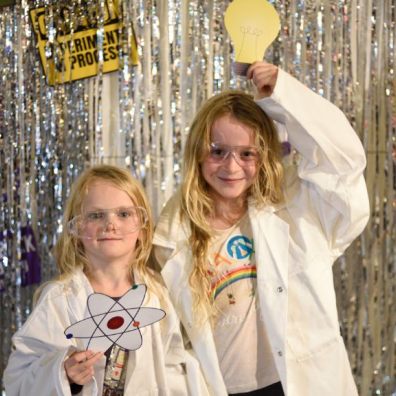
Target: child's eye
{"x":248,"y":155}
{"x":217,"y":152}
{"x":95,"y":216}
{"x":124,"y":213}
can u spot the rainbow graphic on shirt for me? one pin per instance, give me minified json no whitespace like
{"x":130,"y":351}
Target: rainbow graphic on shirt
{"x":245,"y":272}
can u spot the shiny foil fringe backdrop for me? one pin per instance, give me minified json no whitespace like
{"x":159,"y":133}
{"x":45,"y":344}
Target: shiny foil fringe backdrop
{"x":139,"y":118}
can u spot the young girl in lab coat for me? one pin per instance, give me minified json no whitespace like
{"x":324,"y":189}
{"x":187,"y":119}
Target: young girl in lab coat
{"x":103,"y":248}
{"x":247,"y":244}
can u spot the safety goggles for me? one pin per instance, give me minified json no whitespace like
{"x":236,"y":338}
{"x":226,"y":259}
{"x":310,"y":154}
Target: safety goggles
{"x":114,"y":222}
{"x":243,"y":155}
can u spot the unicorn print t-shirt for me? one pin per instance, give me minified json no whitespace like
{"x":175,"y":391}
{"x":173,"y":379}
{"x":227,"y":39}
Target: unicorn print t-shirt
{"x":238,"y":328}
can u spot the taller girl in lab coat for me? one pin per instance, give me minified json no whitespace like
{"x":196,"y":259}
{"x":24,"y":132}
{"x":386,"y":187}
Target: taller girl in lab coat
{"x":247,"y":244}
{"x":103,"y":248}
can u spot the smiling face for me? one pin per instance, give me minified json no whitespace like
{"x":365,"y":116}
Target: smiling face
{"x":229,"y":180}
{"x":108,"y":244}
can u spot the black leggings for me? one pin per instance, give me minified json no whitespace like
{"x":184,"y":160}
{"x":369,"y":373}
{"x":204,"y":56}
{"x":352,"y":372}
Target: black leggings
{"x":272,"y":390}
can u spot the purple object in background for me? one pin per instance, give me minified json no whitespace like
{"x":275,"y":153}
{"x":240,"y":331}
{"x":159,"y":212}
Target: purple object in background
{"x":31,"y":272}
{"x":31,"y":263}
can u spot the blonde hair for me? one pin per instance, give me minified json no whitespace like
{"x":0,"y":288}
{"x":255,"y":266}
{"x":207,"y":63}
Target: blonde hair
{"x":69,"y":250}
{"x":196,"y":203}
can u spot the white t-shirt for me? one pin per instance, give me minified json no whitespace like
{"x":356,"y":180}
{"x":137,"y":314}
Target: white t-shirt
{"x":242,"y":346}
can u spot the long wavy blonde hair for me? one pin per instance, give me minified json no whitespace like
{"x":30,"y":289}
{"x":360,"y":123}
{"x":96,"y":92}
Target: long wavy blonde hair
{"x":69,"y":250}
{"x":197,"y":204}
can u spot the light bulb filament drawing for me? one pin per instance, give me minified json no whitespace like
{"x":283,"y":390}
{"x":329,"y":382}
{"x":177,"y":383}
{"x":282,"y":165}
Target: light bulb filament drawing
{"x":252,"y":30}
{"x":250,"y":42}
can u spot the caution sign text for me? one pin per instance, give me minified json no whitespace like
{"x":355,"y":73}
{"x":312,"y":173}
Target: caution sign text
{"x":73,"y":55}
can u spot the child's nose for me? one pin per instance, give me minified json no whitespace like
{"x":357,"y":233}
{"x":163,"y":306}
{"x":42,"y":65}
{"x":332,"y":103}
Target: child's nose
{"x":109,"y":225}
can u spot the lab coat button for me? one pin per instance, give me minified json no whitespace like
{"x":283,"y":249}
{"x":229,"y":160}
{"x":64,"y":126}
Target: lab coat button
{"x":279,"y":289}
{"x":280,"y":353}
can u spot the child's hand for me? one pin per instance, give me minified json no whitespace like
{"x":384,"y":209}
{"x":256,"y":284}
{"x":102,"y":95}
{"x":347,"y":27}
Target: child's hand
{"x":264,"y":77}
{"x":79,"y":366}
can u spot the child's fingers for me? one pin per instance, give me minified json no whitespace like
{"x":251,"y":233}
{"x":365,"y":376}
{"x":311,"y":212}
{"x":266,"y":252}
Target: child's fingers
{"x":94,"y":357}
{"x":84,"y":380}
{"x":78,"y":357}
{"x":256,"y":67}
{"x":83,"y":377}
{"x":260,"y":68}
{"x":79,"y":366}
{"x":86,"y":358}
{"x":264,"y":76}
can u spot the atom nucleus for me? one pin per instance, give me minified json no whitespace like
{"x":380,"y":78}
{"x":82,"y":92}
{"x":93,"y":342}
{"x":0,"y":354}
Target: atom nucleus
{"x":115,"y":322}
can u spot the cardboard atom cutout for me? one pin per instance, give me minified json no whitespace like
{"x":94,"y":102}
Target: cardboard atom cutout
{"x":115,"y":322}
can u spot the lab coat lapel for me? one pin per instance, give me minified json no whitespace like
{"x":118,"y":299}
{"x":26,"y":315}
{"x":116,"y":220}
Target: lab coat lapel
{"x":271,"y":236}
{"x":271,"y":240}
{"x":175,"y":274}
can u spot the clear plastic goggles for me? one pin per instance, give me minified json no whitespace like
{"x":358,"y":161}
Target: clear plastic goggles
{"x":243,"y":155}
{"x":108,"y":222}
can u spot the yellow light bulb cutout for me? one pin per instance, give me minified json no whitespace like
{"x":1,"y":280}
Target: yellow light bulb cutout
{"x":252,"y":25}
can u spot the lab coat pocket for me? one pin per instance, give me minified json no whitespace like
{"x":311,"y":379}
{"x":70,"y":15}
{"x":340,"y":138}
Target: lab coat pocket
{"x":312,"y":314}
{"x":177,"y":380}
{"x":330,"y":368}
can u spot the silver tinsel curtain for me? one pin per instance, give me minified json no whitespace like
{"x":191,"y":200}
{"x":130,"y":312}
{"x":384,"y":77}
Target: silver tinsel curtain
{"x":139,"y":117}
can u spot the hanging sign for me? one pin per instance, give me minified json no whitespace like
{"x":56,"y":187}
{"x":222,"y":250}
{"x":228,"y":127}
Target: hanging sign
{"x":5,"y":3}
{"x":70,"y":55}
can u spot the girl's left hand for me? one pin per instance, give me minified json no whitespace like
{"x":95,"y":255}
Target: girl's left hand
{"x":264,"y":76}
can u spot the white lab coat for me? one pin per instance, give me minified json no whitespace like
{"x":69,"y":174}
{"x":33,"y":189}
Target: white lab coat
{"x":296,"y":243}
{"x":36,"y":367}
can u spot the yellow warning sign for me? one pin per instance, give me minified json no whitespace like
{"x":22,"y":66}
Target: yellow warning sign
{"x":72,"y":55}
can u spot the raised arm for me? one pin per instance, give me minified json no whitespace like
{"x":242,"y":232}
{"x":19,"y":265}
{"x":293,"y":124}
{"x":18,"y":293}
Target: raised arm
{"x":332,"y":159}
